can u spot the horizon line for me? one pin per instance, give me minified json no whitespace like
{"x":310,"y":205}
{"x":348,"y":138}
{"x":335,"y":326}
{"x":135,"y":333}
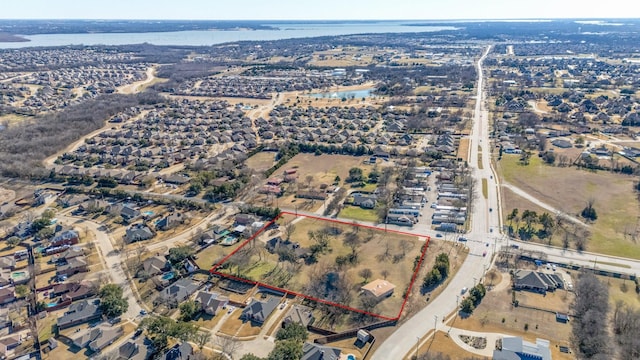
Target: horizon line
{"x":331,"y":20}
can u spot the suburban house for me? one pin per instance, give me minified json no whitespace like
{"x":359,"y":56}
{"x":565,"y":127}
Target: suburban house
{"x":211,"y":302}
{"x":67,"y":237}
{"x":97,"y":338}
{"x":132,"y":350}
{"x":399,"y":219}
{"x":7,"y":295}
{"x":67,"y":255}
{"x":182,"y":351}
{"x":80,"y":312}
{"x":259,"y":311}
{"x":73,"y":266}
{"x":9,"y":343}
{"x":138,"y":232}
{"x":244,"y":219}
{"x":170,"y":221}
{"x":379,"y":288}
{"x":7,"y":262}
{"x":536,"y":281}
{"x":311,"y":351}
{"x":126,"y":211}
{"x":365,"y":201}
{"x":179,"y":291}
{"x":516,"y":348}
{"x":277,"y":244}
{"x":93,"y":205}
{"x":155,"y":265}
{"x":299,"y":314}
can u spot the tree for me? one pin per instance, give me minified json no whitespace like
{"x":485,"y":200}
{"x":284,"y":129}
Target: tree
{"x":466,"y":306}
{"x":293,"y":331}
{"x":513,"y":216}
{"x":178,"y":254}
{"x":384,"y":273}
{"x":289,"y":229}
{"x":309,"y":179}
{"x":286,"y":350}
{"x":13,"y":241}
{"x":188,"y":310}
{"x":590,"y":325}
{"x":589,"y":212}
{"x":112,"y":301}
{"x":250,"y":357}
{"x":355,"y":175}
{"x":201,"y":338}
{"x":22,"y":290}
{"x":366,"y":274}
{"x":160,"y":328}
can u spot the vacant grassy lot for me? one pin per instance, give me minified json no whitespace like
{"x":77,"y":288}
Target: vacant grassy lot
{"x":442,"y":343}
{"x":569,"y":189}
{"x":621,"y":290}
{"x":261,"y":161}
{"x":463,"y":149}
{"x":214,"y":253}
{"x":359,"y":214}
{"x":324,"y":168}
{"x":386,"y":255}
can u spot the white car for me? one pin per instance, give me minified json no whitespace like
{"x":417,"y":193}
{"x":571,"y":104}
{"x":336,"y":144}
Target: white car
{"x":464,"y":290}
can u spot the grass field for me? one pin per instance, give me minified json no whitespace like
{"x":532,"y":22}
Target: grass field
{"x":358,"y":213}
{"x":376,"y":251}
{"x":569,"y":189}
{"x":463,"y":149}
{"x":261,"y":161}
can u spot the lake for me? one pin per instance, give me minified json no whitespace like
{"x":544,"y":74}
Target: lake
{"x":206,"y":38}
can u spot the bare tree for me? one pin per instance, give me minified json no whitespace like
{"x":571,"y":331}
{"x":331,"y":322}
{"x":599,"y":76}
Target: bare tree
{"x":227,"y":345}
{"x":384,"y":273}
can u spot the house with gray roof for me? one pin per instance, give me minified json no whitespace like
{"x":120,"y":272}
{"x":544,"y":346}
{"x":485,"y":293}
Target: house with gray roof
{"x":138,"y":232}
{"x":311,"y":351}
{"x":514,"y":348}
{"x":179,"y":291}
{"x":134,"y":349}
{"x":80,"y":312}
{"x":299,"y":314}
{"x":211,"y":302}
{"x":155,"y":265}
{"x":97,"y":338}
{"x":536,"y":281}
{"x":182,"y":351}
{"x":259,"y":311}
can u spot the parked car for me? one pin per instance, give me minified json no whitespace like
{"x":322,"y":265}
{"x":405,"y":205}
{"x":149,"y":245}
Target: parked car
{"x":464,"y":290}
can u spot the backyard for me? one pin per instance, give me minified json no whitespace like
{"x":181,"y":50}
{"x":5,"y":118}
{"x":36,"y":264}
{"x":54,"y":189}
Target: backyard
{"x":344,"y":261}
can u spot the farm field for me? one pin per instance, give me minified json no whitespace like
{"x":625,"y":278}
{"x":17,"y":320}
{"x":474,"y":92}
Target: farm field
{"x":338,"y":270}
{"x":568,"y":189}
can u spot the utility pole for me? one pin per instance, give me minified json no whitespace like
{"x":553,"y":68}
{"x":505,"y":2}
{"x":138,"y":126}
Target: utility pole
{"x":435,"y":323}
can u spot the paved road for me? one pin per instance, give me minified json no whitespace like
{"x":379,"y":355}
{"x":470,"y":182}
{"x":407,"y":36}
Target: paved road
{"x":111,"y":258}
{"x":403,"y":340}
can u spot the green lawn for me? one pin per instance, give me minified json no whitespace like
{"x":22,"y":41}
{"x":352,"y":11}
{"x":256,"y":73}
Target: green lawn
{"x":357,"y":213}
{"x":568,"y":189}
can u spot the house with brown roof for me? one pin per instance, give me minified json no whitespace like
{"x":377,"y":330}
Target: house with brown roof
{"x":379,"y":288}
{"x":211,"y":302}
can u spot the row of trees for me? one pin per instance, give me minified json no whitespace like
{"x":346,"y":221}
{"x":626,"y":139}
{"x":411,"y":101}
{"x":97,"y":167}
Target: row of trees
{"x":438,"y":274}
{"x":531,"y":218}
{"x":590,"y":324}
{"x":472,"y":301}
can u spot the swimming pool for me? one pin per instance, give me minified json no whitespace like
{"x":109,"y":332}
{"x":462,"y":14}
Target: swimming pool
{"x":351,"y":357}
{"x":52,"y":304}
{"x":147,"y":213}
{"x":229,"y":240}
{"x":168,"y":276}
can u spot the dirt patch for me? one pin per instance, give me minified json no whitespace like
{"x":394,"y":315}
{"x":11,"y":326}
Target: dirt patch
{"x":6,"y":195}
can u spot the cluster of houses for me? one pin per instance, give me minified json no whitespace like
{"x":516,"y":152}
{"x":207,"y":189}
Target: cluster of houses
{"x":58,"y":86}
{"x":210,"y":133}
{"x":257,"y":87}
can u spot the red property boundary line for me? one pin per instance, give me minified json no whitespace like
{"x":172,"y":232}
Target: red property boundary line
{"x":289,"y":292}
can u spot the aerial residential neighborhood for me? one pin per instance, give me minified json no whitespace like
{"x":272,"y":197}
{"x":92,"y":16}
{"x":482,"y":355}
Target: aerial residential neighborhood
{"x":467,"y":190}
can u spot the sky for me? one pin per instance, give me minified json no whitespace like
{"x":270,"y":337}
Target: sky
{"x":316,"y":9}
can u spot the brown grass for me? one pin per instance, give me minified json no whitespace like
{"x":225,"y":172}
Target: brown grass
{"x":497,"y":306}
{"x":261,"y":161}
{"x":442,"y":343}
{"x":568,"y":189}
{"x":463,"y":149}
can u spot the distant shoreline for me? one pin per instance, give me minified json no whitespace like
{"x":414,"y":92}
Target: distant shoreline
{"x":5,"y":37}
